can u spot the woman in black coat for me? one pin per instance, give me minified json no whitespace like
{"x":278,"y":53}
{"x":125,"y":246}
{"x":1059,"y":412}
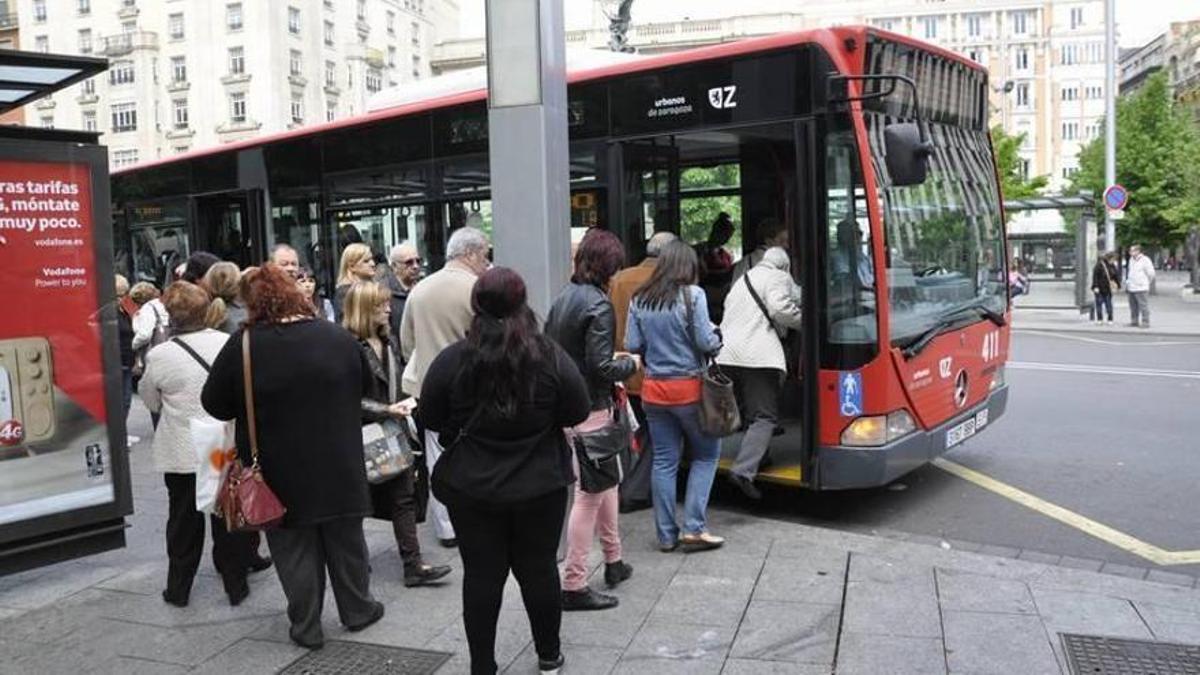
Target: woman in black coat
{"x":499,"y":401}
{"x":308,"y":380}
{"x":366,"y":315}
{"x":1104,"y":283}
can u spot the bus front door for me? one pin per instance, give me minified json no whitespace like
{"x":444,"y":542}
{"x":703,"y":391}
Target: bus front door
{"x":230,"y":226}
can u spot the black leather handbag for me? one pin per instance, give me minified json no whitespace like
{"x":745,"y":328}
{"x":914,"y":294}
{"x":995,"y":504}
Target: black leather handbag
{"x":601,"y":453}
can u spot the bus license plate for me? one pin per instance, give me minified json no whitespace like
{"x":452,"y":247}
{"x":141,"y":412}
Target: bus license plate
{"x":961,"y":432}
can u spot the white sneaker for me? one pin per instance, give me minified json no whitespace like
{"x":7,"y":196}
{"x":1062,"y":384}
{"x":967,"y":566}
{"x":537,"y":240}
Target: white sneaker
{"x":1110,"y":322}
{"x":133,"y":440}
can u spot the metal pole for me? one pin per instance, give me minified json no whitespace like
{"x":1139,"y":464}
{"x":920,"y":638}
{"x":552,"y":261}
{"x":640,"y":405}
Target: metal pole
{"x":1110,"y":115}
{"x":527,"y":130}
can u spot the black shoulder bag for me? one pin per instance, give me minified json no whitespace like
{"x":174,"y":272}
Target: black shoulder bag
{"x":759,"y":301}
{"x":719,"y":414}
{"x":599,"y":452}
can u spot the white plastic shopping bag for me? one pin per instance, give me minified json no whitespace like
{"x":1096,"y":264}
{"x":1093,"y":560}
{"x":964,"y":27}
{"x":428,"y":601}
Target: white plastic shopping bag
{"x":214,"y":445}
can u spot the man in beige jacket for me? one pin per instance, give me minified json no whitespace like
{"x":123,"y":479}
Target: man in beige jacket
{"x":437,"y":315}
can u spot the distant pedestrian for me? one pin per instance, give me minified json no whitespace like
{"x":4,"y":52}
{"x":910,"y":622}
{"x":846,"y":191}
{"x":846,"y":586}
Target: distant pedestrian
{"x":367,"y":310}
{"x":1139,"y":277}
{"x":716,"y":264}
{"x":438,"y":313}
{"x":771,"y":232}
{"x":357,"y":264}
{"x":404,"y":263}
{"x":499,"y":401}
{"x":125,"y":310}
{"x":227,"y":312}
{"x":670,"y":327}
{"x":1104,"y":284}
{"x":307,"y":282}
{"x":760,"y":309}
{"x":308,"y":379}
{"x":635,"y":489}
{"x":176,"y":371}
{"x":581,"y":322}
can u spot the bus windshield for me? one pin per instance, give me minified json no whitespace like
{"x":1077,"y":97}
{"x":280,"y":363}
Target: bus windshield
{"x":944,"y":238}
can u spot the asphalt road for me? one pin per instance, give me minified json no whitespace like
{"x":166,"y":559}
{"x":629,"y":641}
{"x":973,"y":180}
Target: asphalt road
{"x":1096,"y":424}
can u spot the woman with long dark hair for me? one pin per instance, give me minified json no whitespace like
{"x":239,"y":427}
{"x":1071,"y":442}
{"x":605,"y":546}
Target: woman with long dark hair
{"x":498,"y":401}
{"x":308,"y":379}
{"x":582,"y":322}
{"x":669,"y":326}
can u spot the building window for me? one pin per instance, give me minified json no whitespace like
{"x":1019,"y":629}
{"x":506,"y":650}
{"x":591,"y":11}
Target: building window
{"x":122,"y":158}
{"x":129,"y":3}
{"x":296,"y":63}
{"x":293,"y":20}
{"x":175,"y":26}
{"x":89,"y":120}
{"x":89,"y":87}
{"x":1025,"y":167}
{"x":39,"y":11}
{"x":330,"y":111}
{"x":237,"y":107}
{"x":180,"y":108}
{"x":124,"y":117}
{"x":1069,"y":172}
{"x":330,"y":74}
{"x":84,"y":7}
{"x":362,"y":10}
{"x":41,"y":43}
{"x":1069,"y":55}
{"x":1070,"y":131}
{"x":1096,"y":52}
{"x":85,"y":41}
{"x":930,"y":24}
{"x":329,"y":33}
{"x":974,"y":25}
{"x":1070,"y":93}
{"x":1022,"y":60}
{"x":416,"y":34}
{"x":886,"y":24}
{"x":180,"y":149}
{"x":47,"y":121}
{"x":128,"y":27}
{"x":178,"y":69}
{"x":121,"y":73}
{"x":1020,"y":23}
{"x":416,"y":66}
{"x":975,"y":55}
{"x":374,"y":80}
{"x":1076,"y":17}
{"x":1022,"y":95}
{"x":237,"y":60}
{"x":391,"y":56}
{"x":391,"y":22}
{"x":1095,"y":91}
{"x":233,"y":16}
{"x":297,"y":110}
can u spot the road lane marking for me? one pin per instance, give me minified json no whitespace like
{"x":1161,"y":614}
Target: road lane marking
{"x":1104,"y":370}
{"x":1098,"y":341}
{"x":1109,"y":535}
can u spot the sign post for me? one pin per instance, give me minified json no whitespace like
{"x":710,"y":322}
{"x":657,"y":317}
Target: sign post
{"x":527,"y":131}
{"x":1116,"y":197}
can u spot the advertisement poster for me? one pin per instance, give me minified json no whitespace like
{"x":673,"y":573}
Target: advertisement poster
{"x":54,"y":444}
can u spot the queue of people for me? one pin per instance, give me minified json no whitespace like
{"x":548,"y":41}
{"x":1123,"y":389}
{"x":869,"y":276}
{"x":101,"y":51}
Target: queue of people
{"x":523,"y":432}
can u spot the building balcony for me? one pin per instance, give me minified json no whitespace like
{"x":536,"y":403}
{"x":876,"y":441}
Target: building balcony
{"x":87,"y":99}
{"x":45,"y":103}
{"x":236,"y":78}
{"x":182,"y":132}
{"x":125,"y":43}
{"x":178,"y":85}
{"x":243,"y":126}
{"x":332,"y":90}
{"x":9,"y":22}
{"x":297,"y":81}
{"x":128,"y":12}
{"x":363,"y":27}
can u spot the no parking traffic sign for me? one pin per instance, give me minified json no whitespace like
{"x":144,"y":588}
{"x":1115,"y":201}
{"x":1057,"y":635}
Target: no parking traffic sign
{"x":1116,"y":197}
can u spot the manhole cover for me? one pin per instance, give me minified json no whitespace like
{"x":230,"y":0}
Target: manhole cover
{"x":340,"y":656}
{"x":1092,"y":654}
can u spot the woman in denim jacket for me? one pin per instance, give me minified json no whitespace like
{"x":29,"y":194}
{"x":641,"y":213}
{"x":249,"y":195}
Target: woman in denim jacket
{"x":669,"y":327}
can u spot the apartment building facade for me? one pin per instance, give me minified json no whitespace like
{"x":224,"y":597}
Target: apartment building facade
{"x":1177,"y":51}
{"x":186,"y":74}
{"x":10,"y":38}
{"x":1046,"y":57}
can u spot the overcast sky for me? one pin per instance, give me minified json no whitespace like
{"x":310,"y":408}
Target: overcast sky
{"x":1136,"y":21}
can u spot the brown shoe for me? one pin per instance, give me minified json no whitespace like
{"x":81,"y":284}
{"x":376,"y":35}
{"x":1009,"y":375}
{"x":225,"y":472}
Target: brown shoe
{"x":701,"y":542}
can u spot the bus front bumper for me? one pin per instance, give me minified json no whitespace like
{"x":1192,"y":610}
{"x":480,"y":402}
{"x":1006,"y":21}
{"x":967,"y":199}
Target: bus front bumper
{"x":848,"y":468}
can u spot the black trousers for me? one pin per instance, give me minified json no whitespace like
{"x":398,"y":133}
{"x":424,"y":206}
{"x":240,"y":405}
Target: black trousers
{"x":395,"y":500}
{"x":494,"y":539}
{"x":635,"y":489}
{"x":231,"y":551}
{"x":302,"y":557}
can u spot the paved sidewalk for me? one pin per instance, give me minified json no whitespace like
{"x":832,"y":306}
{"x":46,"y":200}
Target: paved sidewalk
{"x":779,"y":598}
{"x":1051,"y":307}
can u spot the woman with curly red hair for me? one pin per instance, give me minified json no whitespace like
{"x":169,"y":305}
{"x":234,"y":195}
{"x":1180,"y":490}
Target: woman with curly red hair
{"x":310,"y":446}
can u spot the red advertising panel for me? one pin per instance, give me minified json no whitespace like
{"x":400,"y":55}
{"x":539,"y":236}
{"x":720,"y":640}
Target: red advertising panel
{"x":54,"y":440}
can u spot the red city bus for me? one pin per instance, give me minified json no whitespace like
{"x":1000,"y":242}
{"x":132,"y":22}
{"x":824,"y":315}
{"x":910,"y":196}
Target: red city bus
{"x":871,"y":148}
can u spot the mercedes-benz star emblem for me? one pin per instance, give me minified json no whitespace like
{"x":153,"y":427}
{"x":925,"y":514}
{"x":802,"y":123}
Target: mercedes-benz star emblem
{"x":960,"y":389}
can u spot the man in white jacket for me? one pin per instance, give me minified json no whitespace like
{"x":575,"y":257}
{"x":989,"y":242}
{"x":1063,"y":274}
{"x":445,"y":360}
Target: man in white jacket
{"x":1138,"y":279}
{"x":759,"y":310}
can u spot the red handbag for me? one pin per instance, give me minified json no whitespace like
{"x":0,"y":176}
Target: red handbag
{"x":245,"y":500}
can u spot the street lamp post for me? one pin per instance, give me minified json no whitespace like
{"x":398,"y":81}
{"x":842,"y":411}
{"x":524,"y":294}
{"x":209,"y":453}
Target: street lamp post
{"x":527,"y":139}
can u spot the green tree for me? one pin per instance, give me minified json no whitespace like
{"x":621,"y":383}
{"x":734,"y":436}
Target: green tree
{"x":1014,"y":184}
{"x":1157,"y":149}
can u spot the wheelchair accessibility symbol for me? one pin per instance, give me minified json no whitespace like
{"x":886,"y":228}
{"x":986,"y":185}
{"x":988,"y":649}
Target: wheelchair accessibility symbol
{"x":850,"y":394}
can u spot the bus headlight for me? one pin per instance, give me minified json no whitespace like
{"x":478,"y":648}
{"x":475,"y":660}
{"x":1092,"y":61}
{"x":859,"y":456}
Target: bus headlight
{"x":876,"y":430}
{"x":997,"y":379}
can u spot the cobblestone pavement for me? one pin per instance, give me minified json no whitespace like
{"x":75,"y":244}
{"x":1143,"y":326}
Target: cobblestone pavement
{"x":779,"y":598}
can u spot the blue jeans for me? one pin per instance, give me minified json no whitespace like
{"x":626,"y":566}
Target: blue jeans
{"x":1103,"y":302}
{"x":669,"y":425}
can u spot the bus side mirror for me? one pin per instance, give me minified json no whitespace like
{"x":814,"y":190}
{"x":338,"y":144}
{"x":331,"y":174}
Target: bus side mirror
{"x":908,"y":153}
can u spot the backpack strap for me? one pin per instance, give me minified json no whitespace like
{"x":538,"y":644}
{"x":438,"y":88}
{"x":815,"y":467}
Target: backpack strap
{"x":192,"y":352}
{"x":759,"y":301}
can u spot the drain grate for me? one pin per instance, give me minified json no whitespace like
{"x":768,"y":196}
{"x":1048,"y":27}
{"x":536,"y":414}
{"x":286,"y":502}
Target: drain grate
{"x":361,"y":658}
{"x":1093,"y":654}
